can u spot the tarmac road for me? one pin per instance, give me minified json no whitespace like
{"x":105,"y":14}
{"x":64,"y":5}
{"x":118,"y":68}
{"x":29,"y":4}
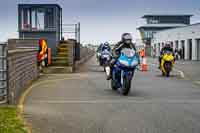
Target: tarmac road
{"x":84,"y":103}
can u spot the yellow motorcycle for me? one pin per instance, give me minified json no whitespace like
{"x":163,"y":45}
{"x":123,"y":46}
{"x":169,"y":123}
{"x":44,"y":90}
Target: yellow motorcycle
{"x":167,"y":63}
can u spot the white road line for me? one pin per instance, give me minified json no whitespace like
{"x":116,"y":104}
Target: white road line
{"x":69,"y":74}
{"x":3,"y":102}
{"x":153,"y":64}
{"x":181,"y":73}
{"x":197,"y":82}
{"x":157,"y":101}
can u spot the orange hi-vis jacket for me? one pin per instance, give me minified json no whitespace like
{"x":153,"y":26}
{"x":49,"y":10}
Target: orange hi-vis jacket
{"x":43,"y":49}
{"x":142,"y":53}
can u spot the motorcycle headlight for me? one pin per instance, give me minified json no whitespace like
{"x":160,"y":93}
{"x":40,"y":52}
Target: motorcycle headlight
{"x":105,"y":56}
{"x":168,"y":54}
{"x":123,"y":62}
{"x":134,"y":63}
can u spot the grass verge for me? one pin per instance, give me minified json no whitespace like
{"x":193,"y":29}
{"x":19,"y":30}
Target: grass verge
{"x":10,"y":121}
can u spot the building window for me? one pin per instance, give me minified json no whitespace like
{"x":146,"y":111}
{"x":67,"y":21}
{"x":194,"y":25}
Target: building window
{"x":25,"y":18}
{"x":40,"y":19}
{"x":49,"y":18}
{"x":44,"y":18}
{"x":34,"y":19}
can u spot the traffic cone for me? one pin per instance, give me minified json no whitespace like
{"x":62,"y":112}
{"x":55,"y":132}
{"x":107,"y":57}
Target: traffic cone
{"x":144,"y":64}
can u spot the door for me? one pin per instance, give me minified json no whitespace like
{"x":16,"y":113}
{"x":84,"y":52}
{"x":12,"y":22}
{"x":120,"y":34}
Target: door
{"x":183,"y":49}
{"x":198,"y":49}
{"x":190,"y":48}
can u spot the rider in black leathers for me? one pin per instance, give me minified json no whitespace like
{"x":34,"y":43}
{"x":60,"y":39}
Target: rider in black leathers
{"x":126,"y":42}
{"x":106,"y":46}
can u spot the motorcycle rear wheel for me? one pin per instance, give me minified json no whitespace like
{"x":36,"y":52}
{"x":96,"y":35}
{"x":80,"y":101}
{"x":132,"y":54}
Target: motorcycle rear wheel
{"x":168,"y":69}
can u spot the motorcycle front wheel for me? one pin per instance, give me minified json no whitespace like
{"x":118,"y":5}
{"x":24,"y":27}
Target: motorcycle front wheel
{"x":126,"y":86}
{"x":101,"y":62}
{"x":168,"y":74}
{"x":168,"y":68}
{"x":113,"y":85}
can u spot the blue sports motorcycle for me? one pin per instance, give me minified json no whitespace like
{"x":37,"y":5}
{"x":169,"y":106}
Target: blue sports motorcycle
{"x":123,"y":71}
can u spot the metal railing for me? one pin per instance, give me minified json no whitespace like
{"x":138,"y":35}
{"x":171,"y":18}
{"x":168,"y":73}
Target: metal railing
{"x":3,"y":73}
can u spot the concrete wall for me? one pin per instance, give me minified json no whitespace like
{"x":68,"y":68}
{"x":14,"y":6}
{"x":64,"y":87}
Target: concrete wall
{"x":22,"y":70}
{"x":3,"y":73}
{"x":22,"y":43}
{"x":22,"y":66}
{"x":184,"y":37}
{"x":85,"y":53}
{"x":71,"y":54}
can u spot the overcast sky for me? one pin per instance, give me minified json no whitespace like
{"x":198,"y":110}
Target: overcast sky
{"x":101,"y":20}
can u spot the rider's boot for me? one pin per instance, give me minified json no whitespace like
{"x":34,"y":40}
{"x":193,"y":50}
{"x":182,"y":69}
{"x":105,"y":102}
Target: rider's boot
{"x":112,"y":62}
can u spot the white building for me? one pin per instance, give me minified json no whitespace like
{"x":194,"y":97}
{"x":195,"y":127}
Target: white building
{"x":139,"y":44}
{"x":187,"y":38}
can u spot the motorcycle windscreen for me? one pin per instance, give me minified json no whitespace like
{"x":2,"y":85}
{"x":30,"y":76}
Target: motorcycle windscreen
{"x":128,"y":52}
{"x":128,"y":61}
{"x":106,"y":52}
{"x":105,"y":56}
{"x":168,"y":52}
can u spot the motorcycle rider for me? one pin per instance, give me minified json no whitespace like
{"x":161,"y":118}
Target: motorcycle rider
{"x":106,"y":46}
{"x":100,"y":47}
{"x":103,"y":46}
{"x":126,"y":42}
{"x":167,"y":47}
{"x":98,"y":51}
